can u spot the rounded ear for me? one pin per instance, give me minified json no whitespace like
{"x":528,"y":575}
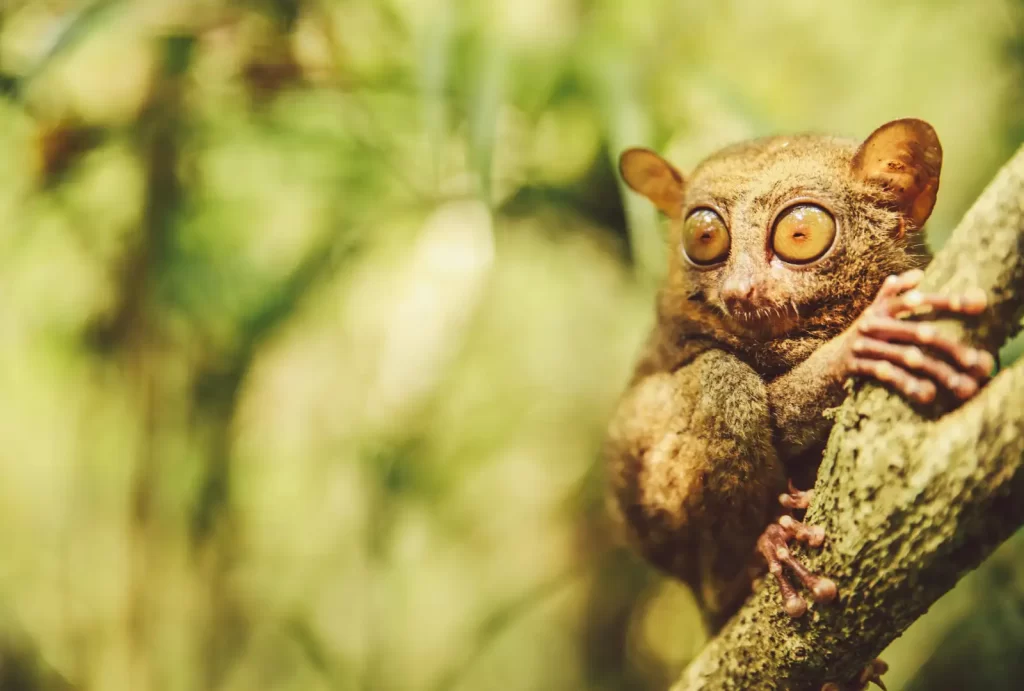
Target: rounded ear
{"x":652,"y":176}
{"x":905,"y":158}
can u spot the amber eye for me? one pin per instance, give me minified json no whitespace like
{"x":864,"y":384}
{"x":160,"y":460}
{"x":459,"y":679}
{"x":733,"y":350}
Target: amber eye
{"x":705,"y":237}
{"x":803,"y":233}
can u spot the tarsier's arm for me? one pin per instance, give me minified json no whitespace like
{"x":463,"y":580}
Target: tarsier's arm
{"x":907,"y":355}
{"x":693,"y":472}
{"x":799,"y":398}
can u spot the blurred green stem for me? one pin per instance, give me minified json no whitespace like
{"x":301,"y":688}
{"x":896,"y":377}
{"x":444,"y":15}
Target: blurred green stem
{"x":134,"y":330}
{"x":628,"y":125}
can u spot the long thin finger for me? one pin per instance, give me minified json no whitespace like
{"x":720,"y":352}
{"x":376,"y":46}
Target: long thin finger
{"x":913,"y":358}
{"x":794,"y":605}
{"x":797,"y":500}
{"x":769,"y":544}
{"x":812,"y":535}
{"x":800,"y":497}
{"x":978,"y":362}
{"x":972,"y":302}
{"x":912,"y":387}
{"x":896,"y":284}
{"x":823,"y":589}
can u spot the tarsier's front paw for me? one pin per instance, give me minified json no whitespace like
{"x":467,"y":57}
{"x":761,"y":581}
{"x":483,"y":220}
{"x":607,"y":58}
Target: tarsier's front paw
{"x":887,"y":348}
{"x":774,"y":547}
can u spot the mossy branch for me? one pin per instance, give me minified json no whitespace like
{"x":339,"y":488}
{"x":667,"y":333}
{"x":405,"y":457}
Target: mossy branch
{"x":912,"y":499}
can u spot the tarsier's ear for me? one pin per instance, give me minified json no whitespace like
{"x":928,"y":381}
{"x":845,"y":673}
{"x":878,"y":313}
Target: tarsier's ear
{"x":655,"y":178}
{"x":904,"y":157}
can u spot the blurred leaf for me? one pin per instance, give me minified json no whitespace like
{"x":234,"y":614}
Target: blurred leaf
{"x":285,"y":12}
{"x":490,"y":61}
{"x":178,"y":52}
{"x":9,"y":84}
{"x":432,"y":72}
{"x":628,"y":125}
{"x":982,"y":649}
{"x":75,"y":27}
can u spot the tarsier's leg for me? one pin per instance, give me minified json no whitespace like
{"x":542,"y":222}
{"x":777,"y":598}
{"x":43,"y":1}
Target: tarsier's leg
{"x":694,"y":474}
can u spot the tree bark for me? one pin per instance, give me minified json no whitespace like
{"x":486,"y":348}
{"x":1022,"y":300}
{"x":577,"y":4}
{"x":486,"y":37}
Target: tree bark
{"x":911,"y":498}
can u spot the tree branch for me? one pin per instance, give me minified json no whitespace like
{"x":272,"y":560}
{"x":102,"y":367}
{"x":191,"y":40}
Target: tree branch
{"x":911,"y":498}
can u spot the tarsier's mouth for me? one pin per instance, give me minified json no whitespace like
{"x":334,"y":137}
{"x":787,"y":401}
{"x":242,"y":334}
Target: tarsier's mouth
{"x":768,"y":321}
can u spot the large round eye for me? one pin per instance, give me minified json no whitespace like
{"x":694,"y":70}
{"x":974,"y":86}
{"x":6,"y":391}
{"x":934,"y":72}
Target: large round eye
{"x":705,"y":237}
{"x":803,"y":233}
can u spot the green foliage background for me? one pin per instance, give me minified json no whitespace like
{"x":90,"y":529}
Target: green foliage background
{"x":312,"y":314}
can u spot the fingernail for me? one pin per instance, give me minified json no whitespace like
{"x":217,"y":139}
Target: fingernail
{"x":913,"y":299}
{"x":986,"y":361}
{"x":915,"y":358}
{"x":976,"y":298}
{"x":927,"y":394}
{"x":966,"y":387}
{"x":795,"y":607}
{"x":926,"y":333}
{"x":971,"y":358}
{"x":825,"y":590}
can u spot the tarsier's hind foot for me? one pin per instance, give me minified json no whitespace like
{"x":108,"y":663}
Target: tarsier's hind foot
{"x":871,"y":674}
{"x":823,"y":589}
{"x":774,"y":547}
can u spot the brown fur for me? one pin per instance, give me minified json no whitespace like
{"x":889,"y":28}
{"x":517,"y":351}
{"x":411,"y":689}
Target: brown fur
{"x":720,"y":403}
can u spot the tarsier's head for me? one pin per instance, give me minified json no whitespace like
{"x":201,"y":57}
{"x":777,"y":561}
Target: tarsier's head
{"x":777,"y":244}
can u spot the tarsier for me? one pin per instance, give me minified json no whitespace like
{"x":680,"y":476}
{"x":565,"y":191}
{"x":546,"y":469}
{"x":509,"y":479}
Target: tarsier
{"x":792,"y":264}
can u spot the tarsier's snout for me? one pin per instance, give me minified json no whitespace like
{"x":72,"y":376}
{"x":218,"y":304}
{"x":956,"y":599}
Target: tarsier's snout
{"x":752,"y":304}
{"x":744,"y":288}
{"x":740,"y":293}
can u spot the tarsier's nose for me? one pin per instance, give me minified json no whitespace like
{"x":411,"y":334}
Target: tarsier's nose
{"x":740,"y":294}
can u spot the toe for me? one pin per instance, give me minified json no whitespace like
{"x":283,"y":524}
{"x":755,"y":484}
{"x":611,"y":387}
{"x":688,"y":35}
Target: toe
{"x":810,"y":535}
{"x":795,"y":606}
{"x":825,"y":590}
